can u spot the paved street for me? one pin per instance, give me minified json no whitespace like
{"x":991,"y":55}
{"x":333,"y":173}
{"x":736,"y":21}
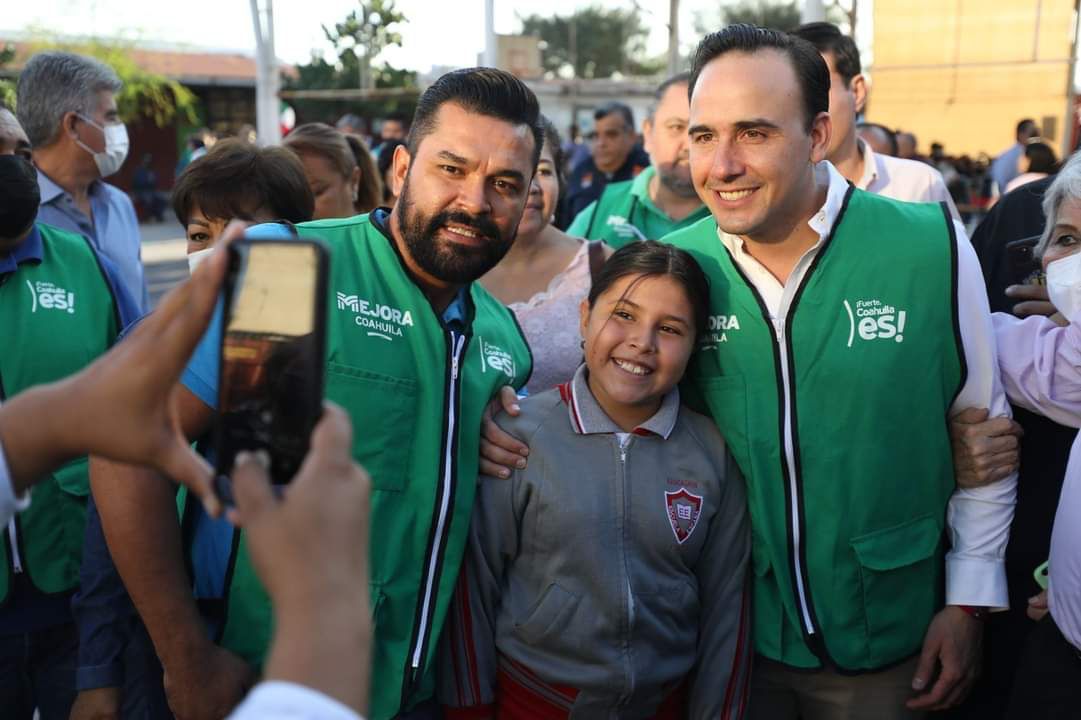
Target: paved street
{"x":163,"y":257}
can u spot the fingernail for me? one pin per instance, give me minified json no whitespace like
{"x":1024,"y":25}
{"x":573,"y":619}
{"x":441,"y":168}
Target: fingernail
{"x":1011,"y":289}
{"x":242,"y":458}
{"x":918,"y":683}
{"x":516,"y":407}
{"x":1032,"y":600}
{"x":520,"y":464}
{"x":504,"y":472}
{"x":263,"y":458}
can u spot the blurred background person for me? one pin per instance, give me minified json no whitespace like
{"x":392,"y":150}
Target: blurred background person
{"x":1038,"y":161}
{"x":353,"y":124}
{"x":66,"y":103}
{"x":341,"y":174}
{"x":546,"y":274}
{"x":616,"y":157}
{"x":878,"y":137}
{"x":907,"y":145}
{"x":662,"y":198}
{"x":385,"y":162}
{"x":144,"y":185}
{"x":394,"y":127}
{"x":891,"y":177}
{"x":1007,"y":165}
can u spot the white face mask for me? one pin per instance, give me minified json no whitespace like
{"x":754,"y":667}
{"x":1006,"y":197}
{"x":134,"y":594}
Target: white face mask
{"x":197,"y":257}
{"x":116,"y":147}
{"x":1064,"y":285}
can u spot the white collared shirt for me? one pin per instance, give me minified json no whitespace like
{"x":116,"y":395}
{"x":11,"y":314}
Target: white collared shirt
{"x":9,"y":504}
{"x":978,"y":520}
{"x":900,"y":179}
{"x":278,"y":700}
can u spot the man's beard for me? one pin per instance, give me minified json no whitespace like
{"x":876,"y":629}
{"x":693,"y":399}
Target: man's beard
{"x":677,"y":181}
{"x":451,"y":264}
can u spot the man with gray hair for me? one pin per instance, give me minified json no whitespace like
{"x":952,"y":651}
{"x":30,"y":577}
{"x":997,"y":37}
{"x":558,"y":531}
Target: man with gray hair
{"x":67,"y":105}
{"x":616,"y":157}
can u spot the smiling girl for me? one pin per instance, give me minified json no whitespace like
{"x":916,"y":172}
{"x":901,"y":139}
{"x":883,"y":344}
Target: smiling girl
{"x":607,"y":578}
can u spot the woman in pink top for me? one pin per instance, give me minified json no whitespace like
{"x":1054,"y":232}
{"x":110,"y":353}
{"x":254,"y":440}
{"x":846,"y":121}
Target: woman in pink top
{"x":546,"y":275}
{"x":1040,"y":361}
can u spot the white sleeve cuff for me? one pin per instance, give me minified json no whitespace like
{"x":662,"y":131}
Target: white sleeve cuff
{"x":980,"y":582}
{"x":279,"y":700}
{"x":9,"y":504}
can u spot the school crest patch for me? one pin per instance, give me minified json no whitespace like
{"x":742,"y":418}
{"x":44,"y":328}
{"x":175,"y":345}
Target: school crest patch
{"x":683,"y":510}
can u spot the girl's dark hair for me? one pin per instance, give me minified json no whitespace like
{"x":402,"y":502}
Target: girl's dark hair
{"x":344,"y":152}
{"x":649,"y":258}
{"x":1041,"y":158}
{"x":555,"y":142}
{"x":235,"y":179}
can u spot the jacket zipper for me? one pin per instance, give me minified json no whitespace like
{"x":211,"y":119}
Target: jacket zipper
{"x":444,"y":498}
{"x":13,"y":536}
{"x":623,"y":444}
{"x":790,"y":469}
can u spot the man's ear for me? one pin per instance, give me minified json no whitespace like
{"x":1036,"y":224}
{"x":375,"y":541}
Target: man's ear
{"x":401,"y":162}
{"x":821,"y":131}
{"x":858,"y":86}
{"x":67,"y":124}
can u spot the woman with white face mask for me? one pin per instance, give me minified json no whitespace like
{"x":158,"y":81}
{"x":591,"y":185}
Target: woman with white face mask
{"x":237,"y":180}
{"x":1040,"y":360}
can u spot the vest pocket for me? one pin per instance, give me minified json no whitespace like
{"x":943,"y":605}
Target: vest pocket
{"x":899,"y":583}
{"x":376,"y":403}
{"x":543,"y":617}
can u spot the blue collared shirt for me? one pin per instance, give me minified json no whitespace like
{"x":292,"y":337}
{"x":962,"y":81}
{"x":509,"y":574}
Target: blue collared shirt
{"x":114,"y":230}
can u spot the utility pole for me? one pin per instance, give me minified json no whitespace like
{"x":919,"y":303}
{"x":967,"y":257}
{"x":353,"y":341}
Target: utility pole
{"x":490,"y":51}
{"x":813,"y":11}
{"x":673,"y":37}
{"x":267,"y":83}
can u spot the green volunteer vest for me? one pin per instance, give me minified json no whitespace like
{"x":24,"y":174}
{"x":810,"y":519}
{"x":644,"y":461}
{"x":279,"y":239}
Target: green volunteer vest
{"x":624,"y":213}
{"x":56,"y":317}
{"x":390,"y":365}
{"x":841,"y":430}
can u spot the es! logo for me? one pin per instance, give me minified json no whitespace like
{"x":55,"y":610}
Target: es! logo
{"x":47,"y":296}
{"x":875,"y":320}
{"x":496,"y":358}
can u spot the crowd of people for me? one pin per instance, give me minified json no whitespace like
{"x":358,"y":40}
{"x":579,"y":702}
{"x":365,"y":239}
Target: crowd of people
{"x":722,"y":415}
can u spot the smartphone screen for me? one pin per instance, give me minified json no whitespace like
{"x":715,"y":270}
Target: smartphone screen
{"x":270,"y":391}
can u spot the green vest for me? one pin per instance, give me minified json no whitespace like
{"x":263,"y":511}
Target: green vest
{"x":56,"y":317}
{"x":415,"y":395}
{"x":625,"y":213}
{"x":838,"y":420}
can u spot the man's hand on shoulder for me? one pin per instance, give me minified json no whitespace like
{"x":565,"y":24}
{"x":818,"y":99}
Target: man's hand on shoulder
{"x":501,"y":452}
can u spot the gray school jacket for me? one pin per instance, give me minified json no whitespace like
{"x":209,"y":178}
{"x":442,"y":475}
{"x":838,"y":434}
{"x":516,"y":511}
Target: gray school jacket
{"x":606,"y":576}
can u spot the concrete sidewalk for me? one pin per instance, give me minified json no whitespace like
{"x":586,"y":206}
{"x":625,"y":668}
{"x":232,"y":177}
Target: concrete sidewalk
{"x":162,"y":242}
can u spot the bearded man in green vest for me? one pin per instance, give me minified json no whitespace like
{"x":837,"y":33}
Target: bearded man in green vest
{"x":415,"y":351}
{"x":845,"y":330}
{"x":662,"y":197}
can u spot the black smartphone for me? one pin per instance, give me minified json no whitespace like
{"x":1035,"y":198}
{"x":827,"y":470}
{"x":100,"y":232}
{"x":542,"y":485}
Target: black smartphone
{"x":270,"y":387}
{"x":1025,"y":268}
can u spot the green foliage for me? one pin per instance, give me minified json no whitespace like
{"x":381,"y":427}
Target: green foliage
{"x":594,"y":42}
{"x":777,"y":14}
{"x":7,"y":87}
{"x":358,"y":41}
{"x":145,"y":94}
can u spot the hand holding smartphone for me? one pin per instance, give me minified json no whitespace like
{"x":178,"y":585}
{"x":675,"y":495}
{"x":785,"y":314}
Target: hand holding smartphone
{"x":270,"y":389}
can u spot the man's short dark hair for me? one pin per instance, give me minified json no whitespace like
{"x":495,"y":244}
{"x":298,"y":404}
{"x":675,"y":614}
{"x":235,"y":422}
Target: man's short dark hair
{"x":235,"y":179}
{"x":811,"y":72}
{"x":615,"y":108}
{"x":828,"y":38}
{"x":1028,"y":124}
{"x":885,"y":132}
{"x":658,"y":95}
{"x":484,"y":91}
